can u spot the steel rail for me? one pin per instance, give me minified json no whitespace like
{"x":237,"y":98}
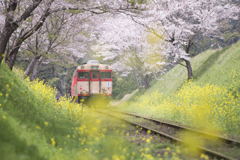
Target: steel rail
{"x":208,"y":151}
{"x":228,"y":140}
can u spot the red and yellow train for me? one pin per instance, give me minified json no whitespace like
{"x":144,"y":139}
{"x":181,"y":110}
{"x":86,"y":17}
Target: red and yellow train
{"x":91,"y":79}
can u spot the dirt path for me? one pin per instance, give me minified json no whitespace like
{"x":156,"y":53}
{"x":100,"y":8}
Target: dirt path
{"x":120,"y":101}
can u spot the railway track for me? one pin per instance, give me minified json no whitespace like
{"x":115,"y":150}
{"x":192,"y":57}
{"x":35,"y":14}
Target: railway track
{"x":210,"y":152}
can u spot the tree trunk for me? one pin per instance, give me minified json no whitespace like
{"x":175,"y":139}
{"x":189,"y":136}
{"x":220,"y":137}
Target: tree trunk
{"x":10,"y":28}
{"x":137,"y":81}
{"x":36,"y":68}
{"x":63,"y":86}
{"x":13,"y":54}
{"x":4,"y":38}
{"x":31,"y":65}
{"x":146,"y":81}
{"x":23,"y":37}
{"x":189,"y":69}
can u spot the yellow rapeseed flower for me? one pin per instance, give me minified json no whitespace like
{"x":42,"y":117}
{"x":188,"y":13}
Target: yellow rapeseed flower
{"x":53,"y":142}
{"x":96,"y":139}
{"x":178,"y":151}
{"x":148,"y":140}
{"x":168,"y":149}
{"x":38,"y":127}
{"x":68,"y":136}
{"x":98,"y":121}
{"x":46,"y":123}
{"x":148,"y":131}
{"x":60,"y":149}
{"x":149,"y":156}
{"x":202,"y":155}
{"x":4,"y":117}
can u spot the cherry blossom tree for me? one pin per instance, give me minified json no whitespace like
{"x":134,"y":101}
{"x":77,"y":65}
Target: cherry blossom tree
{"x":18,"y":13}
{"x":130,"y":48}
{"x":50,"y":36}
{"x":175,"y":25}
{"x":180,"y":22}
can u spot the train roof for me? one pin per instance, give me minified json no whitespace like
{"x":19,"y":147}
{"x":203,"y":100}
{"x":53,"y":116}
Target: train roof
{"x":94,"y":66}
{"x":93,"y":62}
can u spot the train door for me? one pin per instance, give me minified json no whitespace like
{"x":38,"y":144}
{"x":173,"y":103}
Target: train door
{"x":94,"y":82}
{"x":106,"y":82}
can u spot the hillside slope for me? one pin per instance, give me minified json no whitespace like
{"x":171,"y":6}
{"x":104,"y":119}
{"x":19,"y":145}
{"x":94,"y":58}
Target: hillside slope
{"x":211,"y":99}
{"x":212,"y":66}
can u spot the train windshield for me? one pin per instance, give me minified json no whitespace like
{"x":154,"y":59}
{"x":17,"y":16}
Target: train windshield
{"x":106,"y":75}
{"x":83,"y":75}
{"x":94,"y":75}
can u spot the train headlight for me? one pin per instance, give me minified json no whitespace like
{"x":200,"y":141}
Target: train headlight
{"x":82,"y":67}
{"x":106,"y":67}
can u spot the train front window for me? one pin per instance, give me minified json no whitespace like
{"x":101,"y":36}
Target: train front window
{"x":94,"y":75}
{"x":106,"y":75}
{"x":83,"y":75}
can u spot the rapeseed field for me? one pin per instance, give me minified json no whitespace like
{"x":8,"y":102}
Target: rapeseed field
{"x":209,"y":106}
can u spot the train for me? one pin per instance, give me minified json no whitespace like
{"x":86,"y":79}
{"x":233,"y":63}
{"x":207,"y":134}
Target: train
{"x":92,"y":79}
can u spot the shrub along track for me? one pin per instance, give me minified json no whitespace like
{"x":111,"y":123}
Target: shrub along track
{"x":171,"y":131}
